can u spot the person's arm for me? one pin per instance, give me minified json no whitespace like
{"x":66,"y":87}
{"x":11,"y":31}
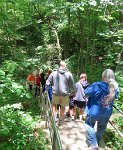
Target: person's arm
{"x":49,"y":81}
{"x":72,"y":84}
{"x":89,"y":91}
{"x":76,"y":86}
{"x":28,"y":78}
{"x":117,"y":93}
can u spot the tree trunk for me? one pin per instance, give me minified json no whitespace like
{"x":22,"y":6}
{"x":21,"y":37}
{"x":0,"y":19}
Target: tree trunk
{"x":58,"y":44}
{"x":119,"y":56}
{"x":15,"y":23}
{"x":0,"y":55}
{"x":67,"y":37}
{"x":94,"y":37}
{"x":121,"y":17}
{"x":81,"y":37}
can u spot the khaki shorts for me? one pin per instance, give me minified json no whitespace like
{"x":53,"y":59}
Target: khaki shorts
{"x":62,"y":100}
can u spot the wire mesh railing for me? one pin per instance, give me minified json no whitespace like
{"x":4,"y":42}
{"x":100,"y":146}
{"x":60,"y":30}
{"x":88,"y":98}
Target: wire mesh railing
{"x":46,"y":114}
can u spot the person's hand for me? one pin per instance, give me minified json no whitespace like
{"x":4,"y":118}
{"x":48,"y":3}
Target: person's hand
{"x":45,"y":92}
{"x":72,"y":94}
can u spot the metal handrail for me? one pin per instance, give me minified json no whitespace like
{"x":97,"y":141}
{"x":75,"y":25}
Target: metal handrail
{"x":50,"y":121}
{"x":46,"y":113}
{"x":118,"y":109}
{"x":120,"y":134}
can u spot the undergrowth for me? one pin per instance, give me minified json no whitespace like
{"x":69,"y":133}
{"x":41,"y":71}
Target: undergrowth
{"x":17,"y":127}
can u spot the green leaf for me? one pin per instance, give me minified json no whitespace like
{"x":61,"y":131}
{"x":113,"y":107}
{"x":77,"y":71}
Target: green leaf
{"x":28,"y":95}
{"x":11,"y":67}
{"x":15,"y":85}
{"x":1,"y":90}
{"x":2,"y":73}
{"x":81,"y":8}
{"x":18,"y":91}
{"x":2,"y":85}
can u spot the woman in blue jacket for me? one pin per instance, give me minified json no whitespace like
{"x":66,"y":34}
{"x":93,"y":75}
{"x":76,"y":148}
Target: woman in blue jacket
{"x":101,"y":96}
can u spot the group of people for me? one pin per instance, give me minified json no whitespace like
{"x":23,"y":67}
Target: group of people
{"x":38,"y":82}
{"x":95,"y":101}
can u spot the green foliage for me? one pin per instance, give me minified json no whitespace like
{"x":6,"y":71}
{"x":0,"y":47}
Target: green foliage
{"x":119,"y":101}
{"x":17,"y":129}
{"x":34,"y":34}
{"x":11,"y":67}
{"x":17,"y":125}
{"x":10,"y":90}
{"x":113,"y":140}
{"x":93,"y":73}
{"x":2,"y":73}
{"x":119,"y":123}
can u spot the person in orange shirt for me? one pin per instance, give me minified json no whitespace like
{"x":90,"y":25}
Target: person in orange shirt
{"x":31,"y":80}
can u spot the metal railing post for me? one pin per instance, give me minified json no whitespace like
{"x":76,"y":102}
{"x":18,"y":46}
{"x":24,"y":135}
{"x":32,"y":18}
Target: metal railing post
{"x":54,"y":145}
{"x":46,"y":111}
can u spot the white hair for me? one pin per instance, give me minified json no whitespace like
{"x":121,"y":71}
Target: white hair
{"x":109,"y":77}
{"x":62,"y":64}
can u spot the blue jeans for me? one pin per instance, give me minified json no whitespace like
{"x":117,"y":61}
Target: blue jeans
{"x":50,"y":94}
{"x":94,"y":137}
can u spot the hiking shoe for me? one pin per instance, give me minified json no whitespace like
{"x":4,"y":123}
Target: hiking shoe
{"x":92,"y":148}
{"x":60,"y":122}
{"x":58,"y":115}
{"x":73,"y":118}
{"x":84,"y":117}
{"x":68,"y":119}
{"x":56,"y":119}
{"x":67,"y":114}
